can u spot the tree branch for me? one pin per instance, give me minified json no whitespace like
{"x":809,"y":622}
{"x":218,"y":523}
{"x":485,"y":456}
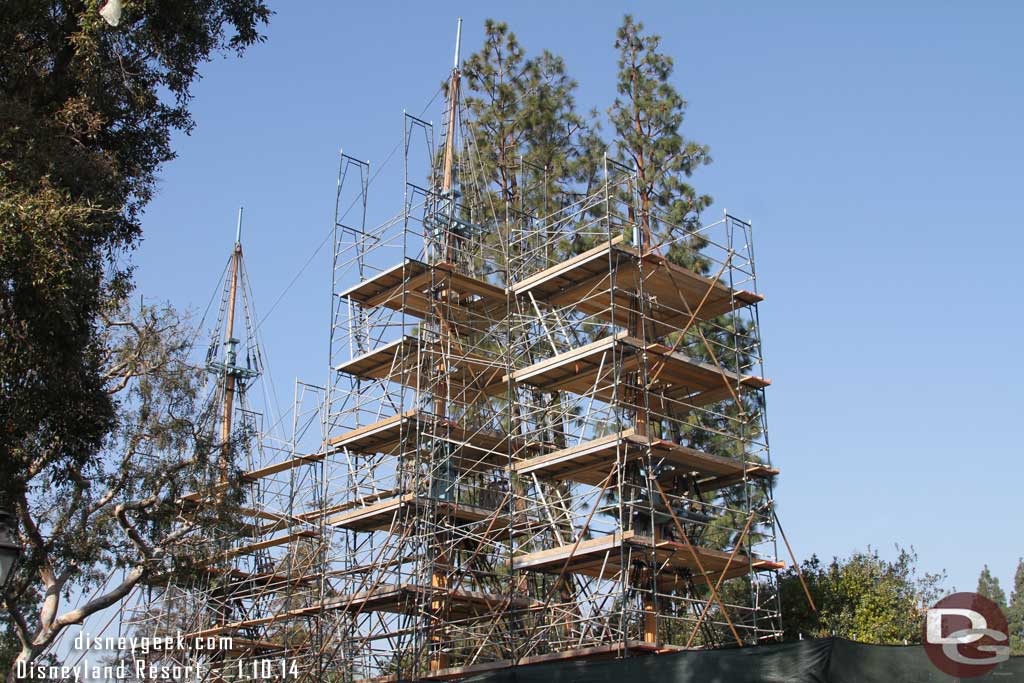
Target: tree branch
{"x":76,"y":616}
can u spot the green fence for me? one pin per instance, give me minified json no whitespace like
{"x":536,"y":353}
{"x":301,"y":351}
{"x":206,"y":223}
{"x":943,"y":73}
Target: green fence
{"x":831,"y":660}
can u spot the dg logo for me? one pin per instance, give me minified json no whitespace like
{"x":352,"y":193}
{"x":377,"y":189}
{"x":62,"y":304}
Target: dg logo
{"x":965,"y":635}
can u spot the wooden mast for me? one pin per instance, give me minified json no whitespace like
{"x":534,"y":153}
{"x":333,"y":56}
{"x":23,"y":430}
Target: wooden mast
{"x":439,"y":575}
{"x":453,"y":104}
{"x":230,"y":350}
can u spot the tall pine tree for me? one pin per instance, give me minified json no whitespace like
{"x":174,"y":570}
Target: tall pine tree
{"x":988,"y":585}
{"x":521,"y":125}
{"x":647,"y":116}
{"x":1015,"y":611}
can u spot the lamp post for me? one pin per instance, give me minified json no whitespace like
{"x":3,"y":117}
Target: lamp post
{"x":10,"y":547}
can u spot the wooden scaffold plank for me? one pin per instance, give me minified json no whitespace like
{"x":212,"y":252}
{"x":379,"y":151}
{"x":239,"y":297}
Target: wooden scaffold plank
{"x":591,"y":461}
{"x":602,"y":557}
{"x":676,"y":294}
{"x":380,"y":516}
{"x":587,"y":370}
{"x":476,"y":448}
{"x":397,"y":361}
{"x":406,"y":287}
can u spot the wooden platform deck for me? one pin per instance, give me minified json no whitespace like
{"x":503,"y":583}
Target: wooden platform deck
{"x":392,"y":599}
{"x":590,"y":462}
{"x":475,"y":448}
{"x":586,"y":283}
{"x":409,"y":599}
{"x":380,"y":515}
{"x":404,"y":361}
{"x":237,"y":580}
{"x":603,"y":557}
{"x":676,"y":294}
{"x":242,"y":646}
{"x":587,"y":371}
{"x":383,"y":436}
{"x":276,"y":541}
{"x":709,"y":484}
{"x":407,"y":287}
{"x":285,"y":539}
{"x":197,"y":497}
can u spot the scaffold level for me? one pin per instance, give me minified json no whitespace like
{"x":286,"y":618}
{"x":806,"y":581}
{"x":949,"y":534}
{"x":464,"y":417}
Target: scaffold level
{"x":589,"y":284}
{"x":592,"y":462}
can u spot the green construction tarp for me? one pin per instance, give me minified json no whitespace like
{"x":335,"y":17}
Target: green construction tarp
{"x":828,"y":660}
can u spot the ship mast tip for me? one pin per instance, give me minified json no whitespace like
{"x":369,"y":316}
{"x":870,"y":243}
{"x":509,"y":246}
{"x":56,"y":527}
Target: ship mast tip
{"x":458,"y":43}
{"x":238,"y":228}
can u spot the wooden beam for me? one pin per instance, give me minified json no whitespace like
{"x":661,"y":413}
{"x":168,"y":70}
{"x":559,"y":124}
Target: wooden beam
{"x":674,"y":293}
{"x":476,"y":449}
{"x":590,"y":462}
{"x":407,"y":287}
{"x":680,"y":377}
{"x":558,"y":271}
{"x":197,"y":497}
{"x":388,"y":429}
{"x":396,"y":361}
{"x":269,"y":543}
{"x":553,"y":558}
{"x":603,"y":554}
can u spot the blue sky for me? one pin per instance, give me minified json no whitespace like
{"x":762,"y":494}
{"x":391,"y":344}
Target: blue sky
{"x":876,"y":148}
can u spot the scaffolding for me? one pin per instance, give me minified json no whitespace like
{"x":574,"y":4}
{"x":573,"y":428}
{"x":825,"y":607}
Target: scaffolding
{"x":543,"y":438}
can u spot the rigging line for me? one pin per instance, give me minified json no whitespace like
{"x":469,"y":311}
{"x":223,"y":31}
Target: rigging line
{"x":209,"y":304}
{"x":267,"y":385}
{"x":330,"y":232}
{"x":270,"y":393}
{"x":302,"y":270}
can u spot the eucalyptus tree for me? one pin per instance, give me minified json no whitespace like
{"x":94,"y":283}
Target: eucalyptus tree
{"x":89,"y":102}
{"x":110,"y":523}
{"x":100,"y":416}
